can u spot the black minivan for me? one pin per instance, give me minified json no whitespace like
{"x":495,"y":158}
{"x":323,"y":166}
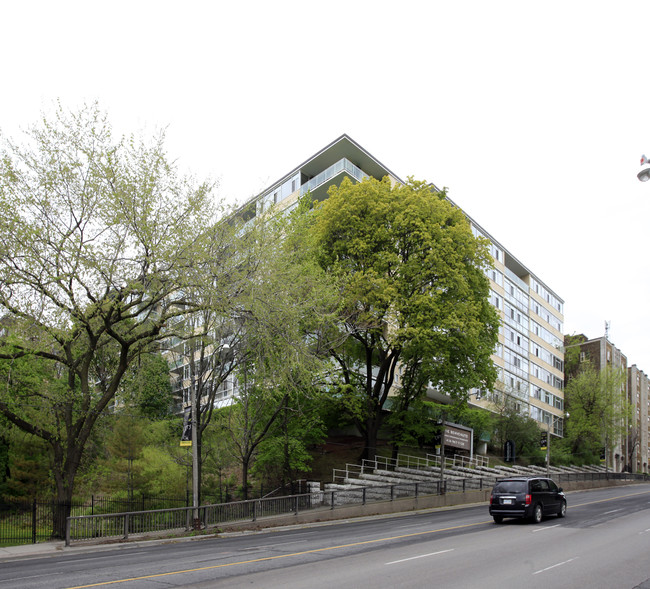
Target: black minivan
{"x":526,"y":497}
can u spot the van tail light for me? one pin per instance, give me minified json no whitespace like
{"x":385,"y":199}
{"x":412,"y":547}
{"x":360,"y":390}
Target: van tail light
{"x":528,"y":499}
{"x":491,"y":497}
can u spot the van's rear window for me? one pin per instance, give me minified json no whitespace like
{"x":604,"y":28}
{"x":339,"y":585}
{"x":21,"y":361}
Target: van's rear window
{"x":510,"y":487}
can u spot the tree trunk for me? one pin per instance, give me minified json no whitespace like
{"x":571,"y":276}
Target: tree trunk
{"x":244,"y":476}
{"x":371,"y":432}
{"x":62,"y":504}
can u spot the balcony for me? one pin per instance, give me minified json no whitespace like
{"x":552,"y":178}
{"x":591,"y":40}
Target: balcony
{"x":343,"y":166}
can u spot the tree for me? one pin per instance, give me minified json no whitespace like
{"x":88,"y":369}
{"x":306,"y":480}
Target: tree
{"x":412,"y":289}
{"x":125,"y":443}
{"x":146,"y":387}
{"x":599,"y":411}
{"x":100,"y":240}
{"x":511,"y":423}
{"x":281,"y":353}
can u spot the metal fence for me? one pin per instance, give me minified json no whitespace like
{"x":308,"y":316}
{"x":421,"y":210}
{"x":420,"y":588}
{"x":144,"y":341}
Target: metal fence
{"x":121,"y":525}
{"x":31,"y":521}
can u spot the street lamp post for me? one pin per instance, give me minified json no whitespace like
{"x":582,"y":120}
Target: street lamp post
{"x":644,"y":175}
{"x":548,"y":442}
{"x":548,"y":447}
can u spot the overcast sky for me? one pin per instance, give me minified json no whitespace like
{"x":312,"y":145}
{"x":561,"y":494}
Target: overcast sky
{"x":533,"y":115}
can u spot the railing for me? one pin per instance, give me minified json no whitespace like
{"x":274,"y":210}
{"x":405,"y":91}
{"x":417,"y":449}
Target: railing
{"x":467,"y":462}
{"x":351,"y":470}
{"x":122,"y":525}
{"x":35,"y":520}
{"x":329,"y":173}
{"x":419,"y":463}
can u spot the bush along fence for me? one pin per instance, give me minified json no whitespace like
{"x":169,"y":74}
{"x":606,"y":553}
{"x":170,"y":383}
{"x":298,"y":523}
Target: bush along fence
{"x":31,"y":521}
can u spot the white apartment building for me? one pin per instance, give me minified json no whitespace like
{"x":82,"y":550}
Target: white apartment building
{"x":529,"y":355}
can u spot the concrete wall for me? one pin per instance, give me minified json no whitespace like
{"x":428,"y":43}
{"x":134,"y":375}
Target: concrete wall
{"x":344,"y":512}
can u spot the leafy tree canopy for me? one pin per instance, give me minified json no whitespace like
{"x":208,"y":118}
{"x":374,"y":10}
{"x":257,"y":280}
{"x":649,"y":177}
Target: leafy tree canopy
{"x":412,"y":290}
{"x":100,"y":240}
{"x":599,"y":411}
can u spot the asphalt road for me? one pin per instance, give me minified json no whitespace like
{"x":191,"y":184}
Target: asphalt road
{"x":604,"y":542}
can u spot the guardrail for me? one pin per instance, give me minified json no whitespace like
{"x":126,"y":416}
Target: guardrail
{"x":122,"y":525}
{"x":185,"y":519}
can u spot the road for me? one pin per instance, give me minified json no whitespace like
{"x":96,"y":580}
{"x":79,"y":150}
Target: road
{"x":604,"y":542}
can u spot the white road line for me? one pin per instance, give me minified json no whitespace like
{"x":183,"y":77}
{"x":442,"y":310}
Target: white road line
{"x":421,"y":556}
{"x":32,"y":577}
{"x":546,"y":528}
{"x":554,"y":566}
{"x":612,"y":511}
{"x":66,"y":562}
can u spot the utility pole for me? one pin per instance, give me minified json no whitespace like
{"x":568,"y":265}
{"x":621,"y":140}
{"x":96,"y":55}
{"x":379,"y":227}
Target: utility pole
{"x":548,"y":451}
{"x":195,"y":456}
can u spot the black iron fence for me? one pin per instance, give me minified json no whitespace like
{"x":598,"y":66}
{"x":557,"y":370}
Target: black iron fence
{"x":34,"y":520}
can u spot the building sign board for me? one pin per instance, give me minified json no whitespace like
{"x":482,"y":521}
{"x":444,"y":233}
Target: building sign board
{"x":456,"y":437}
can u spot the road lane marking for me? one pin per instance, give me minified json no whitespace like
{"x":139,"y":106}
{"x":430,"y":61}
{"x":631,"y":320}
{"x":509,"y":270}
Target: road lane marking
{"x":421,"y":556}
{"x":609,"y":499}
{"x":541,"y":529}
{"x":30,"y":577}
{"x":612,"y":511}
{"x":276,"y":557}
{"x":559,"y":564}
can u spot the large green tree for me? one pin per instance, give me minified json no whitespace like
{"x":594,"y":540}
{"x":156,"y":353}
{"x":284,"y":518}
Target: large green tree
{"x":412,"y":290}
{"x":599,"y":413}
{"x":101,"y":239}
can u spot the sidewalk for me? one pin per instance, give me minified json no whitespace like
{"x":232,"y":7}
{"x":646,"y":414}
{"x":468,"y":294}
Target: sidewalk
{"x":31,"y":550}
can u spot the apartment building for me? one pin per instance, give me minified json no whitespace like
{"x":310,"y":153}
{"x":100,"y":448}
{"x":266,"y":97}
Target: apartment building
{"x":341,"y":158}
{"x":602,"y":354}
{"x":529,"y":356}
{"x":639,"y":396}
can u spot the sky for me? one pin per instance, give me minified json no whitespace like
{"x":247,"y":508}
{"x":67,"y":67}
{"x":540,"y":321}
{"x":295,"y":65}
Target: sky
{"x":533,"y":115}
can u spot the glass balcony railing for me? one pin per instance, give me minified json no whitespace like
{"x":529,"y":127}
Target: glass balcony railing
{"x":343,"y":165}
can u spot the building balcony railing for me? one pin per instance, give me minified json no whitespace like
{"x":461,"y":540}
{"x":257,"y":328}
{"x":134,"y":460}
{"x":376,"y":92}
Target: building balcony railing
{"x":343,"y":165}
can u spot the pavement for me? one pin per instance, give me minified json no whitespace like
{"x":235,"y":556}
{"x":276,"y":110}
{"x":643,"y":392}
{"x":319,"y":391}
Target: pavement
{"x":31,"y":550}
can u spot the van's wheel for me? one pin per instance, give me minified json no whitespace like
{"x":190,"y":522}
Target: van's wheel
{"x":562,"y":511}
{"x":537,"y":514}
{"x":497,"y":519}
